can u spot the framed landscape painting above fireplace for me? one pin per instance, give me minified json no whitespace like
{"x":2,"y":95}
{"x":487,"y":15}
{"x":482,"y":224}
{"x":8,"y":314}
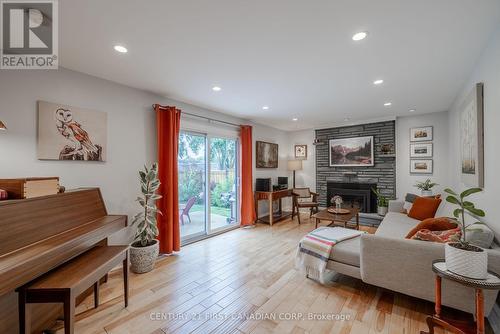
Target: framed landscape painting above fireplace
{"x":351,"y":152}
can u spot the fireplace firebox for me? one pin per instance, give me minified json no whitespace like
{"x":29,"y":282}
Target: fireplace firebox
{"x":356,"y":195}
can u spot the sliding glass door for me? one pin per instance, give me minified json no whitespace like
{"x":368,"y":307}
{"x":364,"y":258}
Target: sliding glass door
{"x":208,"y":187}
{"x":223,"y":185}
{"x":192,"y":160}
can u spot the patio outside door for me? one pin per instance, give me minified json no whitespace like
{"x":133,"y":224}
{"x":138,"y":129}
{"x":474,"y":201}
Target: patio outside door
{"x":208,"y":187}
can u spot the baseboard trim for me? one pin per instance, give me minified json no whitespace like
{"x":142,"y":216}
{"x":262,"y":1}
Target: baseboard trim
{"x":494,"y":318}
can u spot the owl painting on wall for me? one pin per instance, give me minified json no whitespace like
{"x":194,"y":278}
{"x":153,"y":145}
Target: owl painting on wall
{"x":71,"y":133}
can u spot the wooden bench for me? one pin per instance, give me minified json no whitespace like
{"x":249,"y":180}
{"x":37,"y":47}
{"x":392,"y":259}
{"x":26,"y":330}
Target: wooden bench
{"x":65,"y":283}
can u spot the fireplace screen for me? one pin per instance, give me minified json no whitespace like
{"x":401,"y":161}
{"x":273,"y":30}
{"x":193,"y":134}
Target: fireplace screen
{"x":354,"y":195}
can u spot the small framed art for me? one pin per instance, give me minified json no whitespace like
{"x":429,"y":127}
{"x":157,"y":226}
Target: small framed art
{"x":421,"y":166}
{"x":423,"y":150}
{"x":301,"y":152}
{"x":421,"y":134}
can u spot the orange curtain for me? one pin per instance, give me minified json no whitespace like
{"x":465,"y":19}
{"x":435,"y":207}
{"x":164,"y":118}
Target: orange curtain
{"x":168,"y":120}
{"x":247,"y":200}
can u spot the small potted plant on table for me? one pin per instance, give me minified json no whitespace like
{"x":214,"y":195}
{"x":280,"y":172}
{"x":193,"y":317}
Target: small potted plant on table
{"x":426,"y":187}
{"x":461,"y":257}
{"x":145,"y":248}
{"x":382,"y":203}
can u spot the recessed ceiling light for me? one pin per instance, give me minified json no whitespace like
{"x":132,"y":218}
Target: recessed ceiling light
{"x":216,"y":88}
{"x":378,"y":82}
{"x":265,"y":107}
{"x":359,"y":36}
{"x":388,"y":104}
{"x":295,"y":119}
{"x":120,"y":48}
{"x":412,"y":110}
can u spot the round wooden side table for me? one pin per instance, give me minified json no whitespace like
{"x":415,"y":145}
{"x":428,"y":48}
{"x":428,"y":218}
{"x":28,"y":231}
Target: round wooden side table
{"x":454,"y":326}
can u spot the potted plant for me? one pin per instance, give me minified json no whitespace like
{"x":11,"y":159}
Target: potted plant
{"x":461,"y":257}
{"x":145,"y":248}
{"x":382,"y":202}
{"x":425,"y":187}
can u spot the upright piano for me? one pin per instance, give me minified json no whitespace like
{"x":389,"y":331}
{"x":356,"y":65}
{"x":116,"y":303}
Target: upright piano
{"x":38,"y":235}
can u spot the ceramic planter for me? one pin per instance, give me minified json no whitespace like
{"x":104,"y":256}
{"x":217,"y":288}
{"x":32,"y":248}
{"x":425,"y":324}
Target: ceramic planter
{"x":382,"y":210}
{"x":142,"y":259}
{"x":426,"y":192}
{"x":467,"y":263}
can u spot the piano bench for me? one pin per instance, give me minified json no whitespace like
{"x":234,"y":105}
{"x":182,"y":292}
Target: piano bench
{"x":68,"y":281}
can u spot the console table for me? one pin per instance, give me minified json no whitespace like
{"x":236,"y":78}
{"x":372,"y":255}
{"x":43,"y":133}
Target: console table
{"x":272,"y":196}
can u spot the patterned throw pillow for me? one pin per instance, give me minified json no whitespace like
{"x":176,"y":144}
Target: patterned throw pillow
{"x":439,"y":236}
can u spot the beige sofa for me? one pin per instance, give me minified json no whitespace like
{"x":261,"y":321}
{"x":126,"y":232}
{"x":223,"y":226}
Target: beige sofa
{"x":386,"y":259}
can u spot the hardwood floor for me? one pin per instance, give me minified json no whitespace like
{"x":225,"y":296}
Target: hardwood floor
{"x":210,"y":285}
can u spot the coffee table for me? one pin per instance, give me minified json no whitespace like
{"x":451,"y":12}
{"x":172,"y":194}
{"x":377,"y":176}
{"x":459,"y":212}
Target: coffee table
{"x":344,"y":219}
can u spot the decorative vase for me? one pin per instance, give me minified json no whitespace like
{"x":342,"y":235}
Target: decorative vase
{"x":382,"y":210}
{"x":142,"y":259}
{"x":470,"y":263}
{"x":426,"y":193}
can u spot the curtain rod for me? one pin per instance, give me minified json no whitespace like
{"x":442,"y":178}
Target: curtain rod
{"x":206,"y":118}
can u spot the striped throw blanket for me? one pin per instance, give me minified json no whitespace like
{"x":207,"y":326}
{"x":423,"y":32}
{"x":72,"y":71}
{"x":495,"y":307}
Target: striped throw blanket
{"x":315,"y":248}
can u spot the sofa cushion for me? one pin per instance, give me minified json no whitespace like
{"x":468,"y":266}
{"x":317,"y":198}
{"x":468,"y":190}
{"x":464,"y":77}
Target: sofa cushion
{"x":433,"y":224}
{"x":424,"y":207}
{"x":346,"y":252}
{"x":480,"y":235}
{"x":396,"y":225}
{"x":408,"y":203}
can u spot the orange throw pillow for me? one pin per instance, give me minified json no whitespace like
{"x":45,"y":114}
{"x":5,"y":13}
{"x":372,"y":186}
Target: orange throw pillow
{"x":433,"y":224}
{"x":424,"y":207}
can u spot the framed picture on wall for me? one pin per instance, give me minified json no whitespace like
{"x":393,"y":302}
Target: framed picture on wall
{"x":266,"y":155}
{"x":471,"y":138}
{"x":423,"y":150}
{"x":301,"y":152}
{"x":351,"y":152}
{"x":421,"y":166}
{"x":421,"y":134}
{"x":71,"y":133}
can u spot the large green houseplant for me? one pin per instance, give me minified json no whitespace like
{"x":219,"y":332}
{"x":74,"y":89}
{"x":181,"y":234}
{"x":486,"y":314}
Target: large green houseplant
{"x":462,"y":257}
{"x":145,"y":248}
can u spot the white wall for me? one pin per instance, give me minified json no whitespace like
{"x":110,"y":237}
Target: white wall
{"x":272,"y":135}
{"x":307,"y":176}
{"x":131,"y":132}
{"x":404,"y":180}
{"x":487,"y":71}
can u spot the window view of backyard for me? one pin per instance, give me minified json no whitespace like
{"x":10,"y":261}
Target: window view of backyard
{"x":192,"y":184}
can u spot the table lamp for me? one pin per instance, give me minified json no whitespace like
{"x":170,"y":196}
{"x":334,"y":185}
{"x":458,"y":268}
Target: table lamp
{"x":294,"y":165}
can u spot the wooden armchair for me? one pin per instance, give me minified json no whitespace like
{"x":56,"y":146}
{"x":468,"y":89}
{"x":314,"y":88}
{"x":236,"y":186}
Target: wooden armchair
{"x":304,"y":198}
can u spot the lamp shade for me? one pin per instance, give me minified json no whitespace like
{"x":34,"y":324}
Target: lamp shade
{"x":294,"y":164}
{"x":2,"y":126}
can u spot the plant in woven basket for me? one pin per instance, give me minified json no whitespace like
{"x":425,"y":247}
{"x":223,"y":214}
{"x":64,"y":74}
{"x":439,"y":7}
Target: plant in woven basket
{"x":146,"y":219}
{"x":462,"y":257}
{"x":145,"y":248}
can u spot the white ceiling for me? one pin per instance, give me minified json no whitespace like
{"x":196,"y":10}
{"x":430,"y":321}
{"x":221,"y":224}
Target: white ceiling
{"x":296,"y":56}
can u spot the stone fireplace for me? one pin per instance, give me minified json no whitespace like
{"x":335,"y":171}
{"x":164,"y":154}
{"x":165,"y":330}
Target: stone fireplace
{"x":355,"y":182}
